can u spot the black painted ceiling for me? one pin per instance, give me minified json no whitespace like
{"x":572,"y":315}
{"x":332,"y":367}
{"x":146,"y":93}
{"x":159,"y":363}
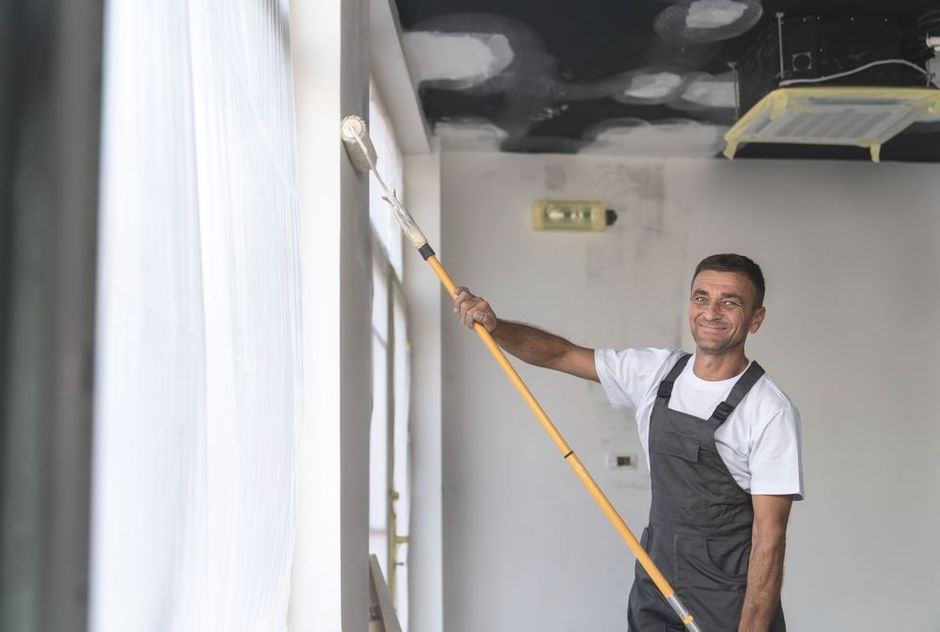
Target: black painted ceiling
{"x":579,"y":71}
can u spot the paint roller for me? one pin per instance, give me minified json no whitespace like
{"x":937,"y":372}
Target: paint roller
{"x":362,"y":155}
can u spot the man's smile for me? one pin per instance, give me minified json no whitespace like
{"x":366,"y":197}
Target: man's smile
{"x":712,"y":327}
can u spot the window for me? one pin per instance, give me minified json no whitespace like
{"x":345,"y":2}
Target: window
{"x":389,"y":482}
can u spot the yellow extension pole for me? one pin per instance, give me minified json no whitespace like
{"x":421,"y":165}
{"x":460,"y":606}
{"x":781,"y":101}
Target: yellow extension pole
{"x":570,"y":457}
{"x":361,"y":152}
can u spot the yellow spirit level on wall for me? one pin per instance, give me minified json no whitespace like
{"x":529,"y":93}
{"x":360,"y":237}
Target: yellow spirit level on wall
{"x":859,"y":116}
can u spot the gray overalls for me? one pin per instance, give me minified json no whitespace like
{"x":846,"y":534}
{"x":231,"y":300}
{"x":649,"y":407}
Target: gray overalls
{"x":699,"y":531}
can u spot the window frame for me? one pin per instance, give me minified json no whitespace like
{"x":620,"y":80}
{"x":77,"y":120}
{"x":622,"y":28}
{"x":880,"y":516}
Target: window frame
{"x":388,"y":267}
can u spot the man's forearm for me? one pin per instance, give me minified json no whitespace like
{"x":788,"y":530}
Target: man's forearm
{"x":764,"y":579}
{"x":530,"y":344}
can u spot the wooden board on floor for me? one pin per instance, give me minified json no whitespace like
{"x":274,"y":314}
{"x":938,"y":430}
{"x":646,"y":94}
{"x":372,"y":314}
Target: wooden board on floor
{"x":381,"y":612}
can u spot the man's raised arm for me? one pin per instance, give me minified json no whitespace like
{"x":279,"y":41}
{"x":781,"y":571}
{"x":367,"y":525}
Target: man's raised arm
{"x":527,"y":343}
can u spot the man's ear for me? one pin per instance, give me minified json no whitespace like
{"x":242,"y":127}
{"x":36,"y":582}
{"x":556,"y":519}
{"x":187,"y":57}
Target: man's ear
{"x":757,"y":319}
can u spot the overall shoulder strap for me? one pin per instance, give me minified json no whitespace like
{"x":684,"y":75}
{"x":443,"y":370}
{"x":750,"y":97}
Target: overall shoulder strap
{"x":665,"y":387}
{"x":741,"y":388}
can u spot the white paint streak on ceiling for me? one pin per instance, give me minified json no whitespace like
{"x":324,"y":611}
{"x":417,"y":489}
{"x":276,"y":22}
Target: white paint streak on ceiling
{"x":654,"y":87}
{"x":680,"y":137}
{"x":465,"y":58}
{"x":710,"y":14}
{"x":470,"y":136}
{"x":707,"y":20}
{"x":713,"y":93}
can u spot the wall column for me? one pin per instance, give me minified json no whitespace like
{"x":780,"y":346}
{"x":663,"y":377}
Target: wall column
{"x":330,"y":586}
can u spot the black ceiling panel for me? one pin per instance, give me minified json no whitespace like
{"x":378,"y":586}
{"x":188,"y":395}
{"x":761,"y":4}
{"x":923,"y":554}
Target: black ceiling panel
{"x":572,"y":59}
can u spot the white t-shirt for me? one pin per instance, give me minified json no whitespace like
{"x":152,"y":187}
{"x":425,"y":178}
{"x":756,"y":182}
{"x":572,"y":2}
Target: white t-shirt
{"x":760,"y":440}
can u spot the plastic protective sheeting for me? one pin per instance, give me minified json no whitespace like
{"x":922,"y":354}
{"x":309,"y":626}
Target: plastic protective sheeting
{"x":198,"y":382}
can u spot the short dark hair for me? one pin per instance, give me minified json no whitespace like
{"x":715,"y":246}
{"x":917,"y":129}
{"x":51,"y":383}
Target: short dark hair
{"x":735,"y":263}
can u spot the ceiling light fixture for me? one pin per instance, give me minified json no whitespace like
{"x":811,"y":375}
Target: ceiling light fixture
{"x":854,"y":116}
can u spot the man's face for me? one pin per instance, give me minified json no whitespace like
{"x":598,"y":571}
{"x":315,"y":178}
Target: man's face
{"x":722,"y":311}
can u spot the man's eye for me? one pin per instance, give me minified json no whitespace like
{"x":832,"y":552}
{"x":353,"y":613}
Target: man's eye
{"x":731,"y":304}
{"x":700,"y":299}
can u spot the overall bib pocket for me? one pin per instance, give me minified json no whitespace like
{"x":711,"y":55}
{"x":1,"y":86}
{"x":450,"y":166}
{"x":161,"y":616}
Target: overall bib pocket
{"x":711,"y":562}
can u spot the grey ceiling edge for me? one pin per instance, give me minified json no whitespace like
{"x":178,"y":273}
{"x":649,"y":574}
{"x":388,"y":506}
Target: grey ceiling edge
{"x":393,"y":78}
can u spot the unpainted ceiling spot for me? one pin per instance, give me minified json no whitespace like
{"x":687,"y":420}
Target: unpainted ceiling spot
{"x":669,"y":138}
{"x":462,"y":59}
{"x":710,"y":14}
{"x":549,"y":112}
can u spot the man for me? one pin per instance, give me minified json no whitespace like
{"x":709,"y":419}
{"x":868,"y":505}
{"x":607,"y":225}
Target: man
{"x":721,"y":440}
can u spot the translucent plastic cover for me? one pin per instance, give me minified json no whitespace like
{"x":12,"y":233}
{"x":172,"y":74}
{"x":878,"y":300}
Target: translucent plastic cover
{"x":198,"y":376}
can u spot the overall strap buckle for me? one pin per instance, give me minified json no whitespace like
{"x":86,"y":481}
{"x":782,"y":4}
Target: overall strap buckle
{"x":665,"y":387}
{"x":722,"y":411}
{"x":741,"y":388}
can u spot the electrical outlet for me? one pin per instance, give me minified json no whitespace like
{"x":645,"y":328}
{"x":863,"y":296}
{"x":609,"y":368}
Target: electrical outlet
{"x":619,"y":461}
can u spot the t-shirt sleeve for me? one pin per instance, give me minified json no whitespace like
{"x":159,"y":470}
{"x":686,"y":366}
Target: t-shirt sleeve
{"x":628,"y":375}
{"x":776,"y":455}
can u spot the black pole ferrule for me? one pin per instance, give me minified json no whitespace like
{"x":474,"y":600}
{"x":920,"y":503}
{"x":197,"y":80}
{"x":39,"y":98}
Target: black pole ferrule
{"x":426,"y":251}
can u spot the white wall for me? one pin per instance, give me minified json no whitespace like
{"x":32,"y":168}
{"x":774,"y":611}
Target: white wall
{"x":423,"y":293}
{"x":850,"y":252}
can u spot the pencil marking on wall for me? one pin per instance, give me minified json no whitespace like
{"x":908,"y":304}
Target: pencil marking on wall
{"x":555,"y":177}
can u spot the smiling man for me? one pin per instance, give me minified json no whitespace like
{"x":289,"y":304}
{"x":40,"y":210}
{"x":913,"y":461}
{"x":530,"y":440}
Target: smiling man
{"x":722,"y":442}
